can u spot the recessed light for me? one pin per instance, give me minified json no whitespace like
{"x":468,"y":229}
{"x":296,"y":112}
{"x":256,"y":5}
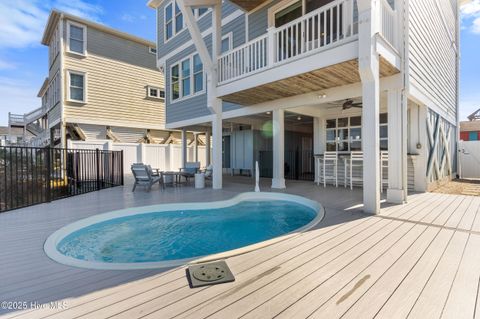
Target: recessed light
{"x":322,"y":96}
{"x":269,"y":112}
{"x":299,"y":118}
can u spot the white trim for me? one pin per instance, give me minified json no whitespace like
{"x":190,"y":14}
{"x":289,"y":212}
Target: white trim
{"x":117,"y":123}
{"x":159,"y":90}
{"x":50,"y":246}
{"x":180,"y":82}
{"x":190,"y":122}
{"x":84,"y":74}
{"x":175,"y":32}
{"x":152,"y":50}
{"x":78,"y":25}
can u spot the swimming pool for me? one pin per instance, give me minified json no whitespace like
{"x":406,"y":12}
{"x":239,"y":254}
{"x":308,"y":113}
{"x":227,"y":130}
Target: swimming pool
{"x":174,"y":234}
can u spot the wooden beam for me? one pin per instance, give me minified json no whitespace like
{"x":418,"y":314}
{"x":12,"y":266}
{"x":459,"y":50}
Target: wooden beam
{"x":201,"y":3}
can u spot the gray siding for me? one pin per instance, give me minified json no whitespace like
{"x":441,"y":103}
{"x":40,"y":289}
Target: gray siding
{"x":204,"y":23}
{"x":433,"y":67}
{"x":197,"y":106}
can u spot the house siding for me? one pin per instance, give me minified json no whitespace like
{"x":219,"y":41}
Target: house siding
{"x":118,"y":71}
{"x":432,"y":57}
{"x":196,"y":106}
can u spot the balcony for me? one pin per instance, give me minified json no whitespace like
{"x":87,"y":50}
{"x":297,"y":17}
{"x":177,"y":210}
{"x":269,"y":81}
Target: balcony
{"x":314,"y":52}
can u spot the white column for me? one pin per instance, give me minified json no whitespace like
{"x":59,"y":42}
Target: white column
{"x":217,"y":150}
{"x":184,"y":147}
{"x":278,"y":119}
{"x":207,"y":148}
{"x":418,"y":127}
{"x":195,"y":145}
{"x":397,"y":147}
{"x":369,"y":73}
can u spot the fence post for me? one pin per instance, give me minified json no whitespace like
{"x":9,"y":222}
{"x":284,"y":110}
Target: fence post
{"x":97,"y":155}
{"x":121,"y":168}
{"x":49,"y":172}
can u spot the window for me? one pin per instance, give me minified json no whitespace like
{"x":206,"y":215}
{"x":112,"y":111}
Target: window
{"x":54,"y":47}
{"x":173,"y":20}
{"x":198,"y":13}
{"x":76,"y":88}
{"x":152,"y":50}
{"x":345,"y":134}
{"x":186,"y":78}
{"x":155,"y":92}
{"x":226,"y":43}
{"x":76,"y":38}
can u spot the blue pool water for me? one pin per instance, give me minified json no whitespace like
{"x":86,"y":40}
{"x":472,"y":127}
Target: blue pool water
{"x":163,"y":236}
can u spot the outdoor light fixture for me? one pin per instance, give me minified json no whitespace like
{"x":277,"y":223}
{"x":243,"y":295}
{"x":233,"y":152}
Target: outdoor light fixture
{"x":269,"y":112}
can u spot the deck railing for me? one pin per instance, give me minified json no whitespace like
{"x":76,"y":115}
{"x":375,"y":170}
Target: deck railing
{"x":312,"y":32}
{"x":388,"y":23}
{"x":33,"y":175}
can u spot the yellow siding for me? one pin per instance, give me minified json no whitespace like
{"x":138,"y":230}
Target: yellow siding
{"x":116,"y":84}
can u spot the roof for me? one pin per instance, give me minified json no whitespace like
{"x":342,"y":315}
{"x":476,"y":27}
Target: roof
{"x":467,"y":126}
{"x":56,"y":15}
{"x":44,"y":88}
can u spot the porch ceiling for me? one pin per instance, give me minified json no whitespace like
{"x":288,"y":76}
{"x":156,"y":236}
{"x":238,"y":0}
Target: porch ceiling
{"x":248,"y":5}
{"x":332,"y":76}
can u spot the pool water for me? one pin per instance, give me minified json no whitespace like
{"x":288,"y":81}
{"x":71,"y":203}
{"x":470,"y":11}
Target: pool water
{"x":171,"y":235}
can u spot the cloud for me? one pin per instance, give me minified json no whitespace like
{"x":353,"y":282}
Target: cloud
{"x":18,"y":96}
{"x":470,"y":15}
{"x":5,"y":65}
{"x":23,"y":21}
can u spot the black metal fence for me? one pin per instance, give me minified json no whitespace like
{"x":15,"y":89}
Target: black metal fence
{"x":30,"y":175}
{"x":298,"y":165}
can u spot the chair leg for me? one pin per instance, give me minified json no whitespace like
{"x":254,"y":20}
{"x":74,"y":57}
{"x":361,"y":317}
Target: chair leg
{"x":134,"y":186}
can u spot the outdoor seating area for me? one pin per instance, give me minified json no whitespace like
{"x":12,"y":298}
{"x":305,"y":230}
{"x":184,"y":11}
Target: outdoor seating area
{"x":145,"y":175}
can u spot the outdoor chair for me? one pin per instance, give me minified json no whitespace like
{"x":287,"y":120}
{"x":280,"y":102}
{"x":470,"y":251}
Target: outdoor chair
{"x":190,"y":169}
{"x":208,"y":172}
{"x":144,"y":176}
{"x":355,"y":160}
{"x":330,"y":159}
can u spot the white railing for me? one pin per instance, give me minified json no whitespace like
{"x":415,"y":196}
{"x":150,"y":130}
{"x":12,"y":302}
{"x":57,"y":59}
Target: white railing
{"x":388,"y":23}
{"x":318,"y":29}
{"x":315,"y":31}
{"x":35,"y":114}
{"x":248,"y":58}
{"x":16,"y":119}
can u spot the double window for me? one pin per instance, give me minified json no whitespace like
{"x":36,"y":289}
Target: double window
{"x":186,"y":78}
{"x":345,"y":134}
{"x":155,"y":92}
{"x":76,"y":87}
{"x":173,"y":20}
{"x":77,"y":38}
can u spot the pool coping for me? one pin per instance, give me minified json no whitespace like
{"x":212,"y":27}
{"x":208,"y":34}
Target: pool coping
{"x":50,"y":245}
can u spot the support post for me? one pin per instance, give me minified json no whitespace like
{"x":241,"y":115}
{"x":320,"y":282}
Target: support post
{"x":369,"y":74}
{"x":278,"y":119}
{"x":217,"y":150}
{"x":195,"y":145}
{"x":397,"y":147}
{"x":184,"y":147}
{"x":207,"y":148}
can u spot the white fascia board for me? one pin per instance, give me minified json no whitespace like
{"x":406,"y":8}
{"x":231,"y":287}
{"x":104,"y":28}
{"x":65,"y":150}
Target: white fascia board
{"x":332,"y":56}
{"x":308,"y":99}
{"x":119,"y":123}
{"x":388,"y":52}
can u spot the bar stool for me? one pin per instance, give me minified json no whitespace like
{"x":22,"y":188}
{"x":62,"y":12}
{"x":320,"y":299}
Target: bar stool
{"x":383,"y":166}
{"x":330,"y":159}
{"x":355,"y":160}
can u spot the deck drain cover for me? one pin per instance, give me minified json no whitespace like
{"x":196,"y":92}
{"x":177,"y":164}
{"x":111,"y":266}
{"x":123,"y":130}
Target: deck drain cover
{"x":209,"y":274}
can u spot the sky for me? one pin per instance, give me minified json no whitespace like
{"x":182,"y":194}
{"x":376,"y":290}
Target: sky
{"x":24,"y":61}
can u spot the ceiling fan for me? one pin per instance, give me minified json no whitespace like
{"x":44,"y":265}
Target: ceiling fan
{"x":347,"y":104}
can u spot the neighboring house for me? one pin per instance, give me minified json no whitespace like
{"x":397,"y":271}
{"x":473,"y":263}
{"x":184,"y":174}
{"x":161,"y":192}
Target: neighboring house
{"x":13,"y":135}
{"x":369,"y":75}
{"x":470,"y":130}
{"x":103,"y":84}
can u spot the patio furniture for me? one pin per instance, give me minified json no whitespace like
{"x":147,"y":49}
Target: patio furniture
{"x":190,"y":169}
{"x":330,"y":159}
{"x":199,"y":180}
{"x":143,"y":176}
{"x":171,"y":178}
{"x":355,"y":160}
{"x":208,"y":172}
{"x":383,"y":166}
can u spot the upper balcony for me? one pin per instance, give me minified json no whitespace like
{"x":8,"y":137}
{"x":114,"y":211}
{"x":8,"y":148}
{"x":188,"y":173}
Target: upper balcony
{"x":314,"y":52}
{"x":27,"y":118}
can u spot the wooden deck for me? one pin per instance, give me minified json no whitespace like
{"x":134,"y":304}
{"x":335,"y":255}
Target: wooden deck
{"x":417,"y":260}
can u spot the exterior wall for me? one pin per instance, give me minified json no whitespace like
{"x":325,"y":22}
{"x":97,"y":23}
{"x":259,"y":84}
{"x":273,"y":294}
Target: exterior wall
{"x":54,"y":115}
{"x":196,"y":106}
{"x":432,"y":56}
{"x":118,"y":72}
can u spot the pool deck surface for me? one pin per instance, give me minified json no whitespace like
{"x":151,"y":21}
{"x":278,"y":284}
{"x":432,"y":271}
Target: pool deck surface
{"x":418,"y":260}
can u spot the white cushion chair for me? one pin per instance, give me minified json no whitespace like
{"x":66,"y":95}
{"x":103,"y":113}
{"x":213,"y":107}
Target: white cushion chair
{"x":144,"y":175}
{"x":355,"y":160}
{"x":330,"y":159}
